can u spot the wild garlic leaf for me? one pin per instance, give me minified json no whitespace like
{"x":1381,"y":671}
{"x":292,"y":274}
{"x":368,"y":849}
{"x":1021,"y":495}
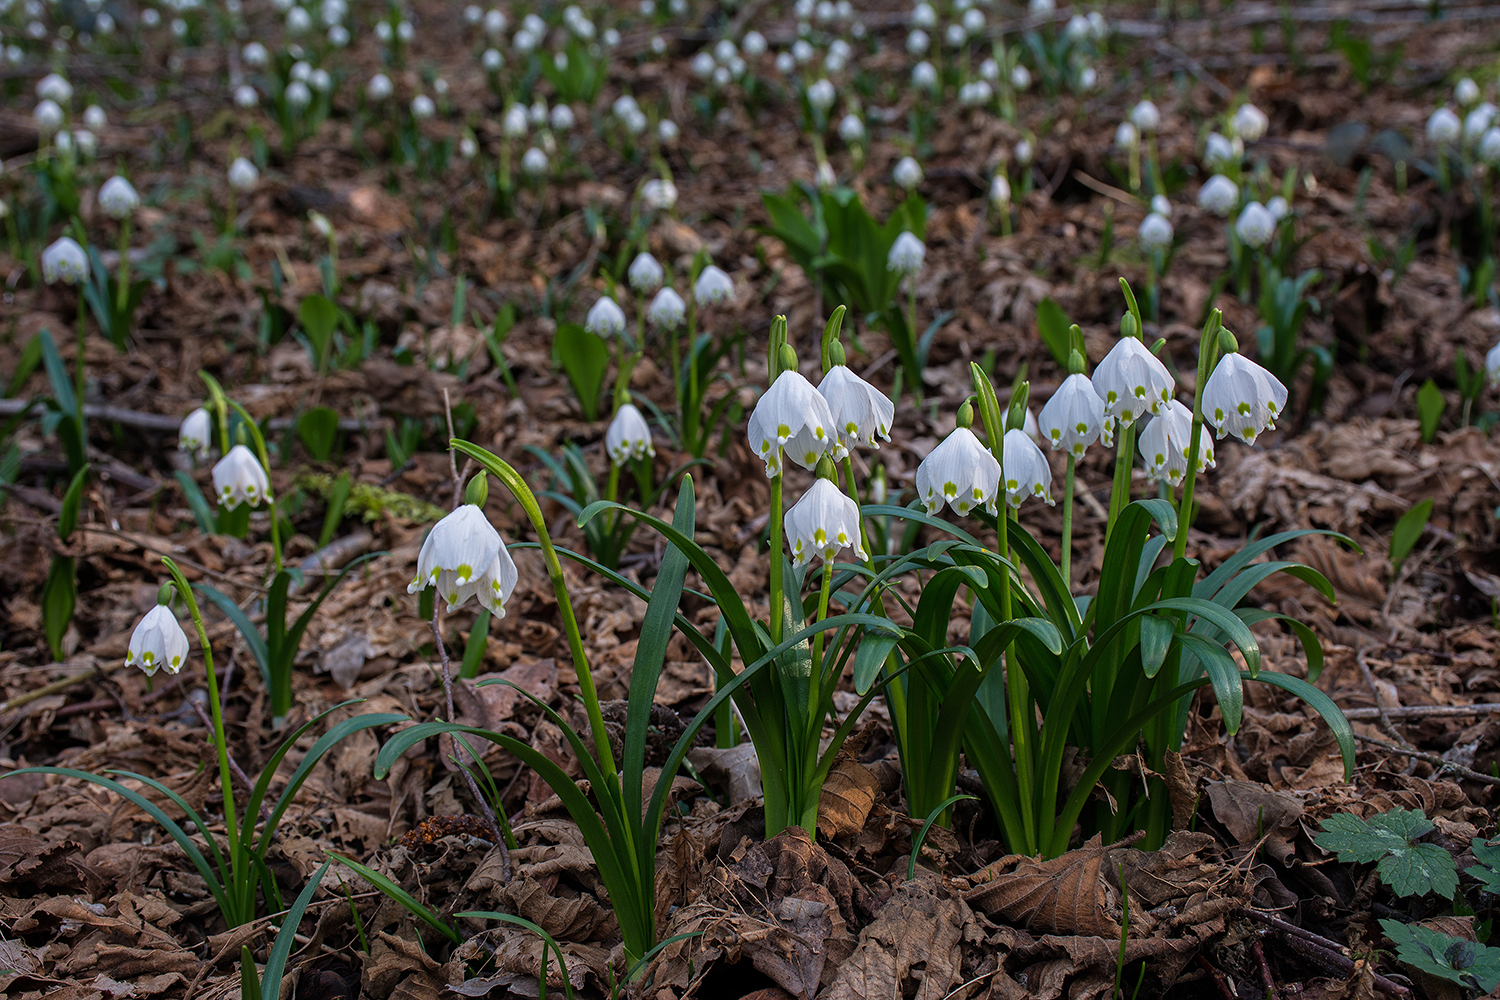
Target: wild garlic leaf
{"x":1471,"y":965}
{"x":1389,"y":838}
{"x":1488,"y":869}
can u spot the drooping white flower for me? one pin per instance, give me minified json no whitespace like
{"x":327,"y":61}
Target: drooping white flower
{"x":823,"y":523}
{"x":1156,"y":232}
{"x":923,"y":16}
{"x":668,"y":132}
{"x":1489,"y":145}
{"x":1492,"y":366}
{"x":666,"y":310}
{"x":492,"y":60}
{"x":906,"y":254}
{"x":1074,"y":417}
{"x":791,"y":417}
{"x":298,"y":20}
{"x":1020,"y":77}
{"x":94,"y":117}
{"x":495,"y":22}
{"x":534,"y":162}
{"x":645,"y":273}
{"x":1162,"y":206}
{"x":1218,"y":151}
{"x":989,"y":70}
{"x":538,"y":113}
{"x":1165,"y":442}
{"x":908,"y":173}
{"x":1027,"y":473}
{"x":821,"y":94}
{"x":861,"y":413}
{"x":55,"y":88}
{"x":468,"y":147}
{"x":1145,"y":117}
{"x":242,"y":174}
{"x":298,"y":95}
{"x":1278,"y":208}
{"x":1132,"y":382}
{"x":423,"y":106}
{"x":48,"y":115}
{"x":1127,"y":136}
{"x":659,"y":194}
{"x":713,"y":286}
{"x":851,"y":129}
{"x":1255,"y":226}
{"x":1477,"y":121}
{"x":1249,"y":122}
{"x":1219,"y":195}
{"x":1466,"y":92}
{"x":87,"y":144}
{"x":629,"y":436}
{"x":1242,"y":399}
{"x":338,"y":36}
{"x":1078,"y":28}
{"x":245,"y":96}
{"x":118,"y":198}
{"x":514,"y":122}
{"x":239,"y":478}
{"x":924,"y":76}
{"x":754,"y":44}
{"x":1088,"y":78}
{"x":158,"y":641}
{"x":960,"y":472}
{"x":955,"y":35}
{"x":65,"y":260}
{"x":918,"y":42}
{"x":255,"y":54}
{"x":563,"y":118}
{"x":379,"y":88}
{"x":196,"y":433}
{"x":455,"y":554}
{"x":1443,"y":128}
{"x":1041,"y":8}
{"x":1024,"y":152}
{"x":605,"y":318}
{"x":1000,"y":191}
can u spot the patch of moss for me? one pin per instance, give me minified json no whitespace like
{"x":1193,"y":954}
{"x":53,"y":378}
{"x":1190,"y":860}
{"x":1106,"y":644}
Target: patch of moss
{"x":372,"y":502}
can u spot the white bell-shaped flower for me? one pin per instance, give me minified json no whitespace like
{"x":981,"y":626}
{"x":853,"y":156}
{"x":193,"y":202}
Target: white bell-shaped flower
{"x":713,"y":285}
{"x":1127,"y":136}
{"x":1145,"y":117}
{"x":242,"y":174}
{"x":457,"y":556}
{"x":53,"y":87}
{"x":659,"y":194}
{"x":908,"y":173}
{"x":1218,"y":151}
{"x":1027,"y":473}
{"x":379,"y":88}
{"x":629,"y":436}
{"x":1073,"y":418}
{"x":1249,"y":122}
{"x":960,"y":472}
{"x":1132,"y":382}
{"x":1000,"y":191}
{"x":118,"y":198}
{"x":667,"y":310}
{"x":851,"y":129}
{"x":823,"y":523}
{"x":645,"y":272}
{"x":1492,"y":366}
{"x":606,"y":318}
{"x":861,"y":412}
{"x":792,"y":417}
{"x":1165,"y":442}
{"x":534,"y":162}
{"x":1466,"y":92}
{"x":821,"y":94}
{"x":1256,"y":225}
{"x":196,"y":433}
{"x":906,"y":255}
{"x":239,"y":478}
{"x":1242,"y":399}
{"x":65,"y":260}
{"x":1219,"y":195}
{"x":924,"y":76}
{"x":1443,"y":128}
{"x":1156,"y":232}
{"x":158,"y":641}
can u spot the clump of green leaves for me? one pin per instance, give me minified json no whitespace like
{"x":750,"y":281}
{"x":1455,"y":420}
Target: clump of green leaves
{"x":1391,"y":840}
{"x":1471,"y":965}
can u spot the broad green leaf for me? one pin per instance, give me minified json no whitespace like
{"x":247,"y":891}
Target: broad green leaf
{"x":1429,"y":408}
{"x":68,"y":519}
{"x":1407,"y":532}
{"x":1052,"y":323}
{"x":318,"y":317}
{"x":1156,"y":639}
{"x":585,"y":357}
{"x":1488,"y":869}
{"x":1390,"y":840}
{"x":59,"y":594}
{"x":1471,"y":965}
{"x":319,"y":428}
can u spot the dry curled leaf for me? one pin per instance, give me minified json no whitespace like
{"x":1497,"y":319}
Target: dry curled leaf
{"x":1067,"y":895}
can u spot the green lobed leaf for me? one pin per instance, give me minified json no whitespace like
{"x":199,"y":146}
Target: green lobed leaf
{"x":1390,"y":840}
{"x":1472,"y":965}
{"x":1488,"y":869}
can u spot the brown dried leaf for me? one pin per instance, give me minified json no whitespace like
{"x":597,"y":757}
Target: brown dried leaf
{"x":1067,"y":895}
{"x":1251,"y":811}
{"x":849,"y":793}
{"x":915,"y":943}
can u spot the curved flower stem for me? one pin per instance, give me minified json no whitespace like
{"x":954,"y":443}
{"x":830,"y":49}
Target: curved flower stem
{"x":78,"y":373}
{"x":1067,"y":528}
{"x":265,"y":461}
{"x":813,"y":704}
{"x":1119,"y":494}
{"x":122,"y":276}
{"x":690,"y":414}
{"x":1208,"y":357}
{"x":216,"y":709}
{"x":502,"y":471}
{"x":221,"y":408}
{"x":777,"y":609}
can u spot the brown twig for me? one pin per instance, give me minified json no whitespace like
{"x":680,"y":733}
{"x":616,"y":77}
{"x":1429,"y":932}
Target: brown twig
{"x":1321,"y":950}
{"x":1440,"y":762}
{"x":1259,"y":951}
{"x":1424,"y":711}
{"x":1386,"y":726}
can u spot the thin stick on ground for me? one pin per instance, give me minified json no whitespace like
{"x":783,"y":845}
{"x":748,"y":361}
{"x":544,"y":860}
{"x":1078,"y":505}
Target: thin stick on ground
{"x":1467,"y":773}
